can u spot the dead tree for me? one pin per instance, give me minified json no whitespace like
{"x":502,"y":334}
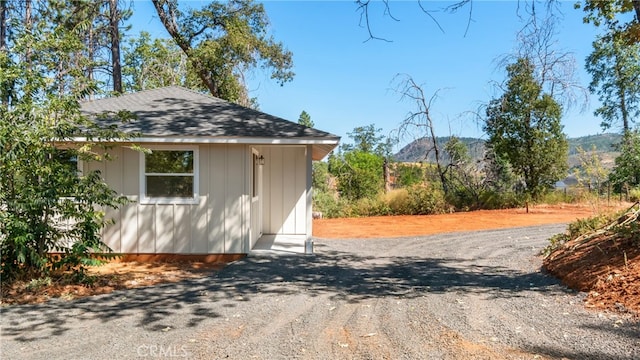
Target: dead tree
{"x":420,"y":120}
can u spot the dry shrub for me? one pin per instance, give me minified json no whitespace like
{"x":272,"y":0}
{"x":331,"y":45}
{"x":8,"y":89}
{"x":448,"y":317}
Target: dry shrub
{"x":396,"y":200}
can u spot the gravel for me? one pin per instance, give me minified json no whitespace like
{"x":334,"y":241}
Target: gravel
{"x":477,"y":295}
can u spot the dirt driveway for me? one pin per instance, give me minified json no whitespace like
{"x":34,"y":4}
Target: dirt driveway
{"x":450,"y":296}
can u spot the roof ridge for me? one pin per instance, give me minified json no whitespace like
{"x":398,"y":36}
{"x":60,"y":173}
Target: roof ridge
{"x":190,"y":90}
{"x":240,"y":105}
{"x":141,"y":92}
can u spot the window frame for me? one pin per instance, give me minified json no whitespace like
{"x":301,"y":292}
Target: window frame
{"x":79,"y":169}
{"x":194,"y":199}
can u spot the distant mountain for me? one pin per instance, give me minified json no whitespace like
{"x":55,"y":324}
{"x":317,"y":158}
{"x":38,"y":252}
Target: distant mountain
{"x":422,"y":149}
{"x":602,"y":142}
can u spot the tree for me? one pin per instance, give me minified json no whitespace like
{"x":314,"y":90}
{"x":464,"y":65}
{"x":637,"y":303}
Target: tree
{"x":320,"y":176}
{"x":222,"y":41}
{"x":615,"y":70}
{"x":498,"y":172}
{"x":3,"y":25}
{"x":408,"y":175}
{"x":556,"y":69}
{"x":463,"y":178}
{"x":591,"y":173}
{"x":100,"y":23}
{"x":114,"y":35}
{"x":626,"y":172}
{"x":152,"y":64}
{"x":523,"y":126}
{"x":368,"y":140}
{"x":305,"y":119}
{"x":359,"y":174}
{"x":45,"y":204}
{"x":420,"y":120}
{"x":359,"y":167}
{"x":611,"y":13}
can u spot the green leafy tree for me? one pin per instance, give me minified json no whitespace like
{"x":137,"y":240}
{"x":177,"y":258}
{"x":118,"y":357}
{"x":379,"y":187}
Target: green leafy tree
{"x":222,"y":40}
{"x":102,"y":24}
{"x":615,"y":70}
{"x":150,"y":64}
{"x":45,"y":204}
{"x":621,"y":17}
{"x":305,"y":119}
{"x":464,"y":179}
{"x":626,"y":172}
{"x":367,"y":139}
{"x":591,"y":173}
{"x":359,"y":174}
{"x":359,"y":167}
{"x":320,"y":176}
{"x":524,"y":127}
{"x":408,"y":175}
{"x":498,"y":172}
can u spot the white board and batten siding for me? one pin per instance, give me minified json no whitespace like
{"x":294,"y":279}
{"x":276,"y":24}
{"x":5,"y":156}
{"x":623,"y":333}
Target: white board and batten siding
{"x":285,"y":190}
{"x":219,"y":222}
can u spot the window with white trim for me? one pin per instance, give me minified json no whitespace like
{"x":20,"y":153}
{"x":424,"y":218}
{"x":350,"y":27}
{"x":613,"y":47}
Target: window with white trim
{"x":169,"y":175}
{"x":71,"y":167}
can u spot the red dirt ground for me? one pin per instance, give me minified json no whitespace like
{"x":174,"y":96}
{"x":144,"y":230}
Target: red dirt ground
{"x":612,"y":284}
{"x":606,"y":264}
{"x":397,"y":226}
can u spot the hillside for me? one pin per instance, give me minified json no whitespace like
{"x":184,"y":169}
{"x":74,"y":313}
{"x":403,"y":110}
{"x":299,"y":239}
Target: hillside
{"x":421,"y":149}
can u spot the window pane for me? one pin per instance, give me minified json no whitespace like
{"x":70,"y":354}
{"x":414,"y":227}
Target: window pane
{"x":166,"y":161}
{"x":170,"y":186}
{"x":68,"y":160}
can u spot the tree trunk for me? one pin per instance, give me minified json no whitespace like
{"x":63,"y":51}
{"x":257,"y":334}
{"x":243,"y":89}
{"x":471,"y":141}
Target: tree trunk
{"x":114,"y":20}
{"x":387,"y":177}
{"x":168,"y":19}
{"x":3,"y":25}
{"x":636,"y":6}
{"x":90,"y":55}
{"x":436,"y":150}
{"x":27,"y":25}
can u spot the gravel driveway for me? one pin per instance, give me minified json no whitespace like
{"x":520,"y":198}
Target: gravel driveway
{"x":454,"y":296}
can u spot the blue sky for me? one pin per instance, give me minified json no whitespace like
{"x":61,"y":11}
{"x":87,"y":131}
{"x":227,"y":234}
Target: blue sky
{"x":344,"y":81}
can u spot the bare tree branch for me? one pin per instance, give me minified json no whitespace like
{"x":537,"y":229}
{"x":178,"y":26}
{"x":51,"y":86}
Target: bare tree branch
{"x":556,"y":69}
{"x":168,"y":13}
{"x":459,"y":5}
{"x":420,"y":118}
{"x":363,"y":7}
{"x":431,"y":16}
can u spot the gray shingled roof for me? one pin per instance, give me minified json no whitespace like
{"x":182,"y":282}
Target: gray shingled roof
{"x":177,"y":112}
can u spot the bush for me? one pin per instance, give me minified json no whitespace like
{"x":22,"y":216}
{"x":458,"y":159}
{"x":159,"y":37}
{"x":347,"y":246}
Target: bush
{"x":396,"y":201}
{"x":634,"y":194}
{"x":359,"y":174}
{"x":491,"y":200}
{"x":329,"y":204}
{"x":409,"y":175}
{"x":575,"y":229}
{"x":424,"y":200}
{"x":556,"y":197}
{"x":417,"y":200}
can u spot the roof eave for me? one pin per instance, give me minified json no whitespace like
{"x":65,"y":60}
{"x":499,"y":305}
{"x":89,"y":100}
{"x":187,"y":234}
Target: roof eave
{"x":321,"y":147}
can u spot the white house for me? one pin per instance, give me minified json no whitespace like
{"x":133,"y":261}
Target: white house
{"x":219,"y":178}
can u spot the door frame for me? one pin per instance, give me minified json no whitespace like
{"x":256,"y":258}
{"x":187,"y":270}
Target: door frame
{"x":256,"y":195}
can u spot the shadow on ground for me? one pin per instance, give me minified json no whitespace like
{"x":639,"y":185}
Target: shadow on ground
{"x":338,"y":275}
{"x":343,"y":276}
